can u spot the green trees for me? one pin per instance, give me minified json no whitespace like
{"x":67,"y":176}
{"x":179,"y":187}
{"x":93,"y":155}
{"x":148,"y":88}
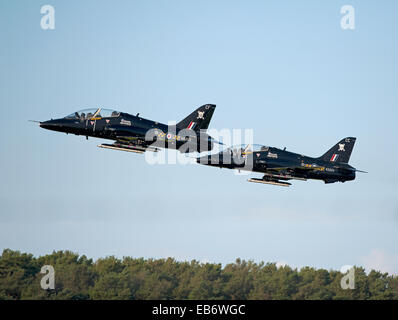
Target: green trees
{"x":17,"y":271}
{"x":77,"y":277}
{"x":74,"y":276}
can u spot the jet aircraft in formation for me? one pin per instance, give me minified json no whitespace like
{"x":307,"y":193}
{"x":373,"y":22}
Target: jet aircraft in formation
{"x":135,"y":134}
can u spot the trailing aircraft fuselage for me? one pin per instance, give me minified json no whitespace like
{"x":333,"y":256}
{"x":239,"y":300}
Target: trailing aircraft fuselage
{"x":279,"y":166}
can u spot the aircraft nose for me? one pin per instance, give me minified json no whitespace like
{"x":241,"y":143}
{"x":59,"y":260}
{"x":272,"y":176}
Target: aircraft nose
{"x":46,"y":124}
{"x":50,"y":125}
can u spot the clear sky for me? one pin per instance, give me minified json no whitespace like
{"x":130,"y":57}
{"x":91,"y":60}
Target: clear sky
{"x":285,"y":69}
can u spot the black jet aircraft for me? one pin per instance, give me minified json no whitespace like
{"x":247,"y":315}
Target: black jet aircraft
{"x":135,"y":134}
{"x":279,"y":166}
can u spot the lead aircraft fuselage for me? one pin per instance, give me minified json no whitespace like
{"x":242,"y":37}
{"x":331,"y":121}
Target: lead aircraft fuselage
{"x":133,"y":133}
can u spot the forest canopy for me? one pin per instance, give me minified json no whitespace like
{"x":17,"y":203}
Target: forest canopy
{"x":77,"y":277}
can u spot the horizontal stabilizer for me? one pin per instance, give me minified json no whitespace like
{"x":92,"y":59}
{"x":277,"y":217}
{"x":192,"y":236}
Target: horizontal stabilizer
{"x":356,"y":170}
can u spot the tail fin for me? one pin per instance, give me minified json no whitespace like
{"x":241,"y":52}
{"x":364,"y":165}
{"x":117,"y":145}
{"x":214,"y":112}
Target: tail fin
{"x":199,"y":119}
{"x":341,"y":152}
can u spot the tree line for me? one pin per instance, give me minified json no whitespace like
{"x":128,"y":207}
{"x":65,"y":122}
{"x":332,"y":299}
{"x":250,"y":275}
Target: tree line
{"x":77,"y":277}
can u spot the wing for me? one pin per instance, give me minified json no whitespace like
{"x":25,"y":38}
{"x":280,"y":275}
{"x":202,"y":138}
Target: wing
{"x":129,"y":147}
{"x":301,"y":168}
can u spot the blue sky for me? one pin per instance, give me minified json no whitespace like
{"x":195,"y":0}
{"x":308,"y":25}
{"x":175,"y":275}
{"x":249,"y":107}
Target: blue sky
{"x":285,"y":69}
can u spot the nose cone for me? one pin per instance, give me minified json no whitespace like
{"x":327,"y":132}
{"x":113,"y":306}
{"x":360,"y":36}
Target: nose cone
{"x":55,"y":125}
{"x":46,"y":124}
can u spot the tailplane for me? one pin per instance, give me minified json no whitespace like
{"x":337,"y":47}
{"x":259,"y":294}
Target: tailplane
{"x":199,"y":119}
{"x":341,"y":152}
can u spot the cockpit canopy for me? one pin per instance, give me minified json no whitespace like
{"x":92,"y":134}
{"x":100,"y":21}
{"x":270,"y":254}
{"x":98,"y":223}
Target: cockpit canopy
{"x":248,"y":148}
{"x":93,"y":113}
{"x":244,"y":149}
